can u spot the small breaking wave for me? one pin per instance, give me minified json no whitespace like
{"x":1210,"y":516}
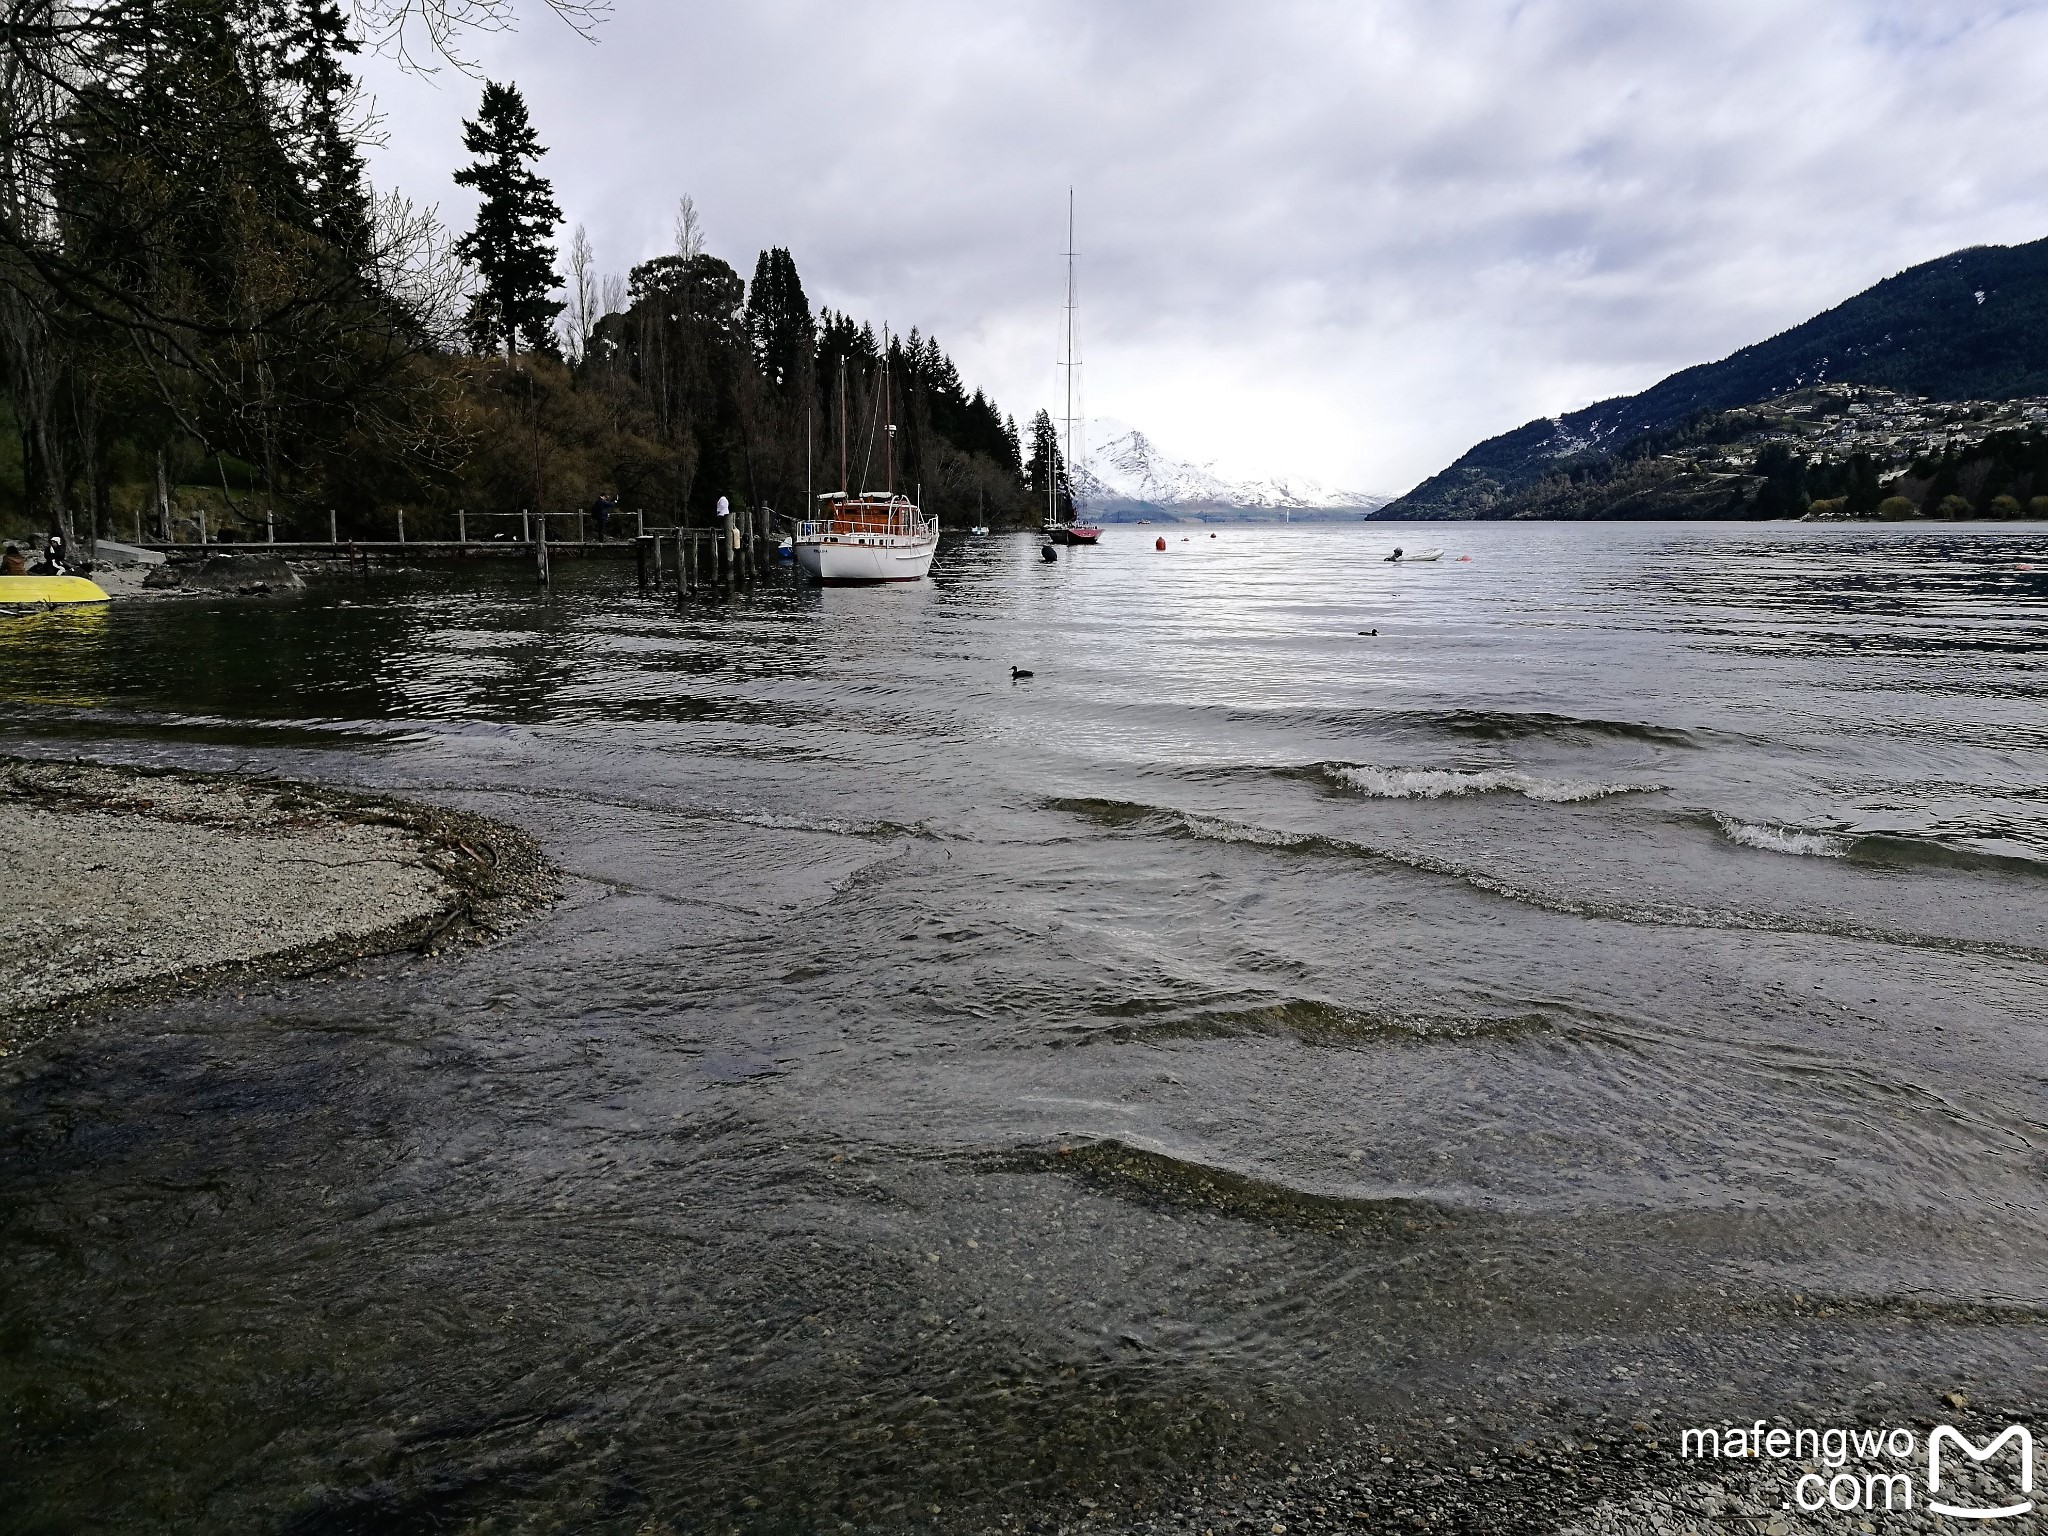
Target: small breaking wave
{"x":1160,"y":1179}
{"x":1312,"y":1021}
{"x":1877,"y":850}
{"x":1496,"y":725}
{"x":1777,"y":839}
{"x":1123,"y":815}
{"x":1445,"y":783}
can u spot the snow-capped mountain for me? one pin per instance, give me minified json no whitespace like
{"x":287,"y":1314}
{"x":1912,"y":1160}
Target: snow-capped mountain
{"x":1122,"y":466}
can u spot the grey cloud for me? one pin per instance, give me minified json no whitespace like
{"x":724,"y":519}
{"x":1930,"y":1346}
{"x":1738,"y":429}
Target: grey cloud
{"x":1335,"y":240}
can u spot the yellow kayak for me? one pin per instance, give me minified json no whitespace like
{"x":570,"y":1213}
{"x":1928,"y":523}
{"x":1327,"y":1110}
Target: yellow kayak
{"x":49,"y":589}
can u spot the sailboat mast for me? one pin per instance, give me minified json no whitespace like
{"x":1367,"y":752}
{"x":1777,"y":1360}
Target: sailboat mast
{"x":888,"y":423}
{"x":842,"y":426}
{"x":1070,"y":338}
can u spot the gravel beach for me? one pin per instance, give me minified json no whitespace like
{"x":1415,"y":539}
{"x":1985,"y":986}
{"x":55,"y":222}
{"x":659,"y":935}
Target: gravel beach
{"x":124,"y":884}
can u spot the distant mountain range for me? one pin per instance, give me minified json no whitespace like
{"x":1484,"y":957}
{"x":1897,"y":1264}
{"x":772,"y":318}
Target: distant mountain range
{"x":1124,"y":476}
{"x":1972,"y":326}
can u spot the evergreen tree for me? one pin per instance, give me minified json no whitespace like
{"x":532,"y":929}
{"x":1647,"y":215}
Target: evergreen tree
{"x":779,"y":320}
{"x":309,"y":53}
{"x":1047,"y":469}
{"x":511,"y":243}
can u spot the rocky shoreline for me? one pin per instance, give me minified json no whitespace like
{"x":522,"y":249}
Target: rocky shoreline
{"x":1611,"y":1477}
{"x":128,"y":884}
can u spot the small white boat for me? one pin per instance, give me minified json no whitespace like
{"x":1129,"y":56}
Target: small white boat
{"x":1398,"y":557}
{"x":978,"y":530}
{"x":875,"y":536}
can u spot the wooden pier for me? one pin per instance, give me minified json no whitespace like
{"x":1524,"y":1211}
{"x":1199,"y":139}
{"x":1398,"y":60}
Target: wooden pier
{"x":736,"y":553}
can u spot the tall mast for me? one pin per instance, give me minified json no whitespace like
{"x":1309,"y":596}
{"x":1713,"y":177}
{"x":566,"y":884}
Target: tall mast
{"x":888,"y":423}
{"x":1070,"y":340}
{"x":842,"y":426}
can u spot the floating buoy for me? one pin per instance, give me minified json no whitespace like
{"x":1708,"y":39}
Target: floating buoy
{"x":1212,"y":535}
{"x":1160,"y":542}
{"x":1048,"y":554}
{"x":1463,"y":558}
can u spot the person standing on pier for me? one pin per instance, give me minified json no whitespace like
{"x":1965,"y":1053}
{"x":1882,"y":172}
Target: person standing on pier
{"x":601,"y":509}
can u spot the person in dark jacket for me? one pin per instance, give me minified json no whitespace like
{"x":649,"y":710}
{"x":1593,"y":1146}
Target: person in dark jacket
{"x":601,"y":509}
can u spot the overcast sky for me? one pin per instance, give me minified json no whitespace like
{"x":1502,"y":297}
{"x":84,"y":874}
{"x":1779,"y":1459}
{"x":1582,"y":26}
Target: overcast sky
{"x":1340,"y":240}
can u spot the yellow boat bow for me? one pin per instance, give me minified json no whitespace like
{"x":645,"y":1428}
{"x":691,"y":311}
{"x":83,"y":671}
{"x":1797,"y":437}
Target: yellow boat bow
{"x":39,"y":590}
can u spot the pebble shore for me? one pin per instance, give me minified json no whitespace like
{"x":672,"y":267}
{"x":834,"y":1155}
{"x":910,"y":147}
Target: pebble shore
{"x":127,"y":884}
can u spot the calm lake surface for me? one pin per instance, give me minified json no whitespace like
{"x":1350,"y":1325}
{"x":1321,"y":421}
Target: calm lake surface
{"x":1620,"y":985}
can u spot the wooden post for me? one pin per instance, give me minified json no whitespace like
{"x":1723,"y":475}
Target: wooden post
{"x":462,"y":527}
{"x":580,"y":537}
{"x":540,"y":550}
{"x":333,"y":528}
{"x":401,"y":525}
{"x":639,"y":522}
{"x":525,"y":527}
{"x":642,"y":548}
{"x":269,"y":525}
{"x":202,"y":524}
{"x":163,"y":498}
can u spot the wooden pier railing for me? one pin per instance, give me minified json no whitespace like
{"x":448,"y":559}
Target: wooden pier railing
{"x":737,"y":552}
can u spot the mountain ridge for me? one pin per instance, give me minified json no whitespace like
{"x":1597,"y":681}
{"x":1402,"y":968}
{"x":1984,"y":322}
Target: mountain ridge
{"x":1969,"y":325}
{"x":1128,"y":474}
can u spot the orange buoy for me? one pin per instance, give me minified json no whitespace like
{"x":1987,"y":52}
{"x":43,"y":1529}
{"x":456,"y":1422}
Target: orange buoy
{"x":1463,"y":558}
{"x":1160,"y":542}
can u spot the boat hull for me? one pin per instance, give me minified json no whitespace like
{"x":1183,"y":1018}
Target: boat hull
{"x":46,"y":590}
{"x":843,"y":561}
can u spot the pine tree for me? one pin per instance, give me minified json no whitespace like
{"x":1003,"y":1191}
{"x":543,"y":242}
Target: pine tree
{"x":779,"y":320}
{"x":309,"y":53}
{"x":511,"y":243}
{"x":1047,"y":468}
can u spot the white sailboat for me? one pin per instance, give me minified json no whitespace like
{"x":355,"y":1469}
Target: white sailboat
{"x":874,"y":536}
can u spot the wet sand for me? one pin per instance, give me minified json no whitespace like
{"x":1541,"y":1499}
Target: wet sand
{"x":124,"y":885}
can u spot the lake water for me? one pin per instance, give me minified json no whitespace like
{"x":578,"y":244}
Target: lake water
{"x":1618,"y":986}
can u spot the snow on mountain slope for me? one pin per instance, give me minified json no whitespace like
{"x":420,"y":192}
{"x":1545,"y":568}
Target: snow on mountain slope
{"x":1124,"y":465}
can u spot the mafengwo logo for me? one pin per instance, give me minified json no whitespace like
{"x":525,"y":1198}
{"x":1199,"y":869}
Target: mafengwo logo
{"x":1873,"y":1471}
{"x":1945,"y":1437}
